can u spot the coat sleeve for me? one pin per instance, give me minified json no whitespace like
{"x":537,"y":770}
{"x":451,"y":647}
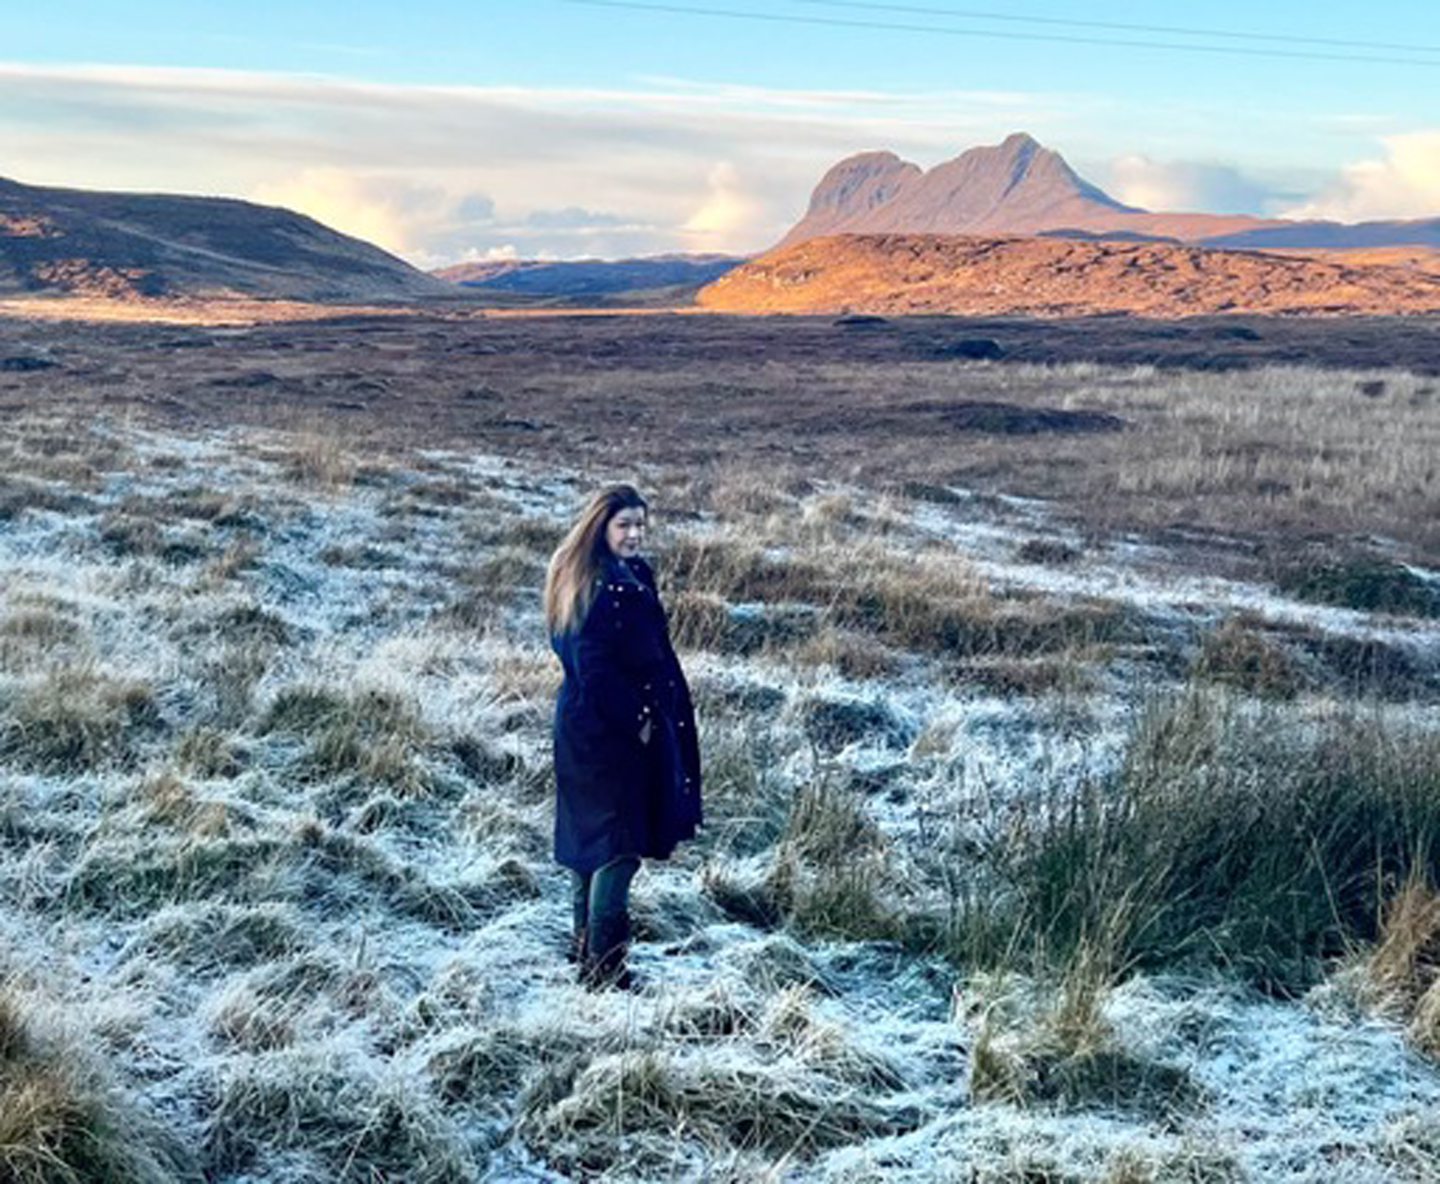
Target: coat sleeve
{"x":601,"y":671}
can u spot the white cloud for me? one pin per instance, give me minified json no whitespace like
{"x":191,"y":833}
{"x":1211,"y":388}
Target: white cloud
{"x":571,"y":218}
{"x":1404,"y":183}
{"x":505,"y":253}
{"x":730,"y":218}
{"x":1182,"y":186}
{"x":381,"y":210}
{"x":439,"y":173}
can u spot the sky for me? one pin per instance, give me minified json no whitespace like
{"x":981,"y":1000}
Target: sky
{"x":448,"y":131}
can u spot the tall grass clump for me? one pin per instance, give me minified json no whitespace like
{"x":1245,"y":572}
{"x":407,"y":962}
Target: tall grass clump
{"x":1364,"y":583}
{"x":651,"y":1115}
{"x":62,"y":1121}
{"x":1252,"y":839}
{"x":372,"y":735}
{"x":75,"y":719}
{"x":1400,"y":975}
{"x":1056,"y":1048}
{"x":344,"y":1119}
{"x":928,"y":602}
{"x":35,"y":632}
{"x":828,"y":876}
{"x":317,"y":458}
{"x":1240,"y":655}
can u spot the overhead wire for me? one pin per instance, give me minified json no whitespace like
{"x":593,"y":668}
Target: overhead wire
{"x":996,"y":34}
{"x":1120,"y":26}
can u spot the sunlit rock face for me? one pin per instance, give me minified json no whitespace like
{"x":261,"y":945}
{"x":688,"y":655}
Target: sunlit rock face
{"x":1021,"y":187}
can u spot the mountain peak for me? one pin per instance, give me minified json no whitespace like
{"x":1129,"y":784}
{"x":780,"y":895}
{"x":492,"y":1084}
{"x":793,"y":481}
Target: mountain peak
{"x":856,"y":187}
{"x":1018,"y":142}
{"x":1021,"y":187}
{"x":1018,"y":185}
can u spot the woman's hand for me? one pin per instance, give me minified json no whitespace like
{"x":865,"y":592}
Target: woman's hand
{"x":645,"y":733}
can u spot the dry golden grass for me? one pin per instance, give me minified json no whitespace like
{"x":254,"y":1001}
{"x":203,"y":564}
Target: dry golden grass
{"x":77,"y":718}
{"x":209,"y":752}
{"x":1063,"y":1054}
{"x":166,"y":800}
{"x":376,"y":736}
{"x":525,"y":675}
{"x":827,"y":876}
{"x":850,"y":653}
{"x":50,"y":458}
{"x":1270,"y":451}
{"x":320,"y":460}
{"x":1239,"y":654}
{"x":36,"y":633}
{"x":620,"y":1113}
{"x":1400,"y":976}
{"x":63,"y":1120}
{"x":869,"y":602}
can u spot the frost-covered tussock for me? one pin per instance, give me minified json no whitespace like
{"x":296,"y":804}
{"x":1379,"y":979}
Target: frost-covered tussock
{"x":1026,"y":852}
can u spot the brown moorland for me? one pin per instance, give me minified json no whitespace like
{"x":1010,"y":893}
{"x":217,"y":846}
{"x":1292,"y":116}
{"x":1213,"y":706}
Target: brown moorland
{"x":1272,"y":429}
{"x":1415,"y":258}
{"x":893,"y":274}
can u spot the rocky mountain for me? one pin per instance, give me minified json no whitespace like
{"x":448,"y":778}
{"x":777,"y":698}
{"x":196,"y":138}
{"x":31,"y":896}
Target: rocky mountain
{"x":988,"y":276}
{"x":1021,"y":187}
{"x":133,"y":246}
{"x":676,"y":277}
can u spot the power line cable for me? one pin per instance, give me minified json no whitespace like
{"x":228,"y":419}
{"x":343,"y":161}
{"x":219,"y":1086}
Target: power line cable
{"x":1068,"y":22}
{"x":995,"y":34}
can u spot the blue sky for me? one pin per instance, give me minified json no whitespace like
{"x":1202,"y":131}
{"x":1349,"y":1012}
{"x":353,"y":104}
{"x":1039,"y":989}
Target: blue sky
{"x":449,"y":130}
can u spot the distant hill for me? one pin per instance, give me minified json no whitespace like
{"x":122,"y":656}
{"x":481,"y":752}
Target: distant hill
{"x":989,"y":276}
{"x":1021,"y":187}
{"x":132,"y":246}
{"x":671,"y":277}
{"x":1426,"y":259}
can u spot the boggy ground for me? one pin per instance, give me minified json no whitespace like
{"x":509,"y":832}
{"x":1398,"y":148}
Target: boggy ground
{"x":1081,"y":838}
{"x":1206,"y":423}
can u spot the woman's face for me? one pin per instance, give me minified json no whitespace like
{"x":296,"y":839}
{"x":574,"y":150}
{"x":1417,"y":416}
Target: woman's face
{"x":625,"y":532}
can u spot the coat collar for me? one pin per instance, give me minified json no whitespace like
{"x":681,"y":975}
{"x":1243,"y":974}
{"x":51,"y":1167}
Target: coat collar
{"x":622,"y":571}
{"x":635,"y":573}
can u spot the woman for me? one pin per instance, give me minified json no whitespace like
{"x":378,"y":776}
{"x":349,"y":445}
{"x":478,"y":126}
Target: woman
{"x":627,"y":761}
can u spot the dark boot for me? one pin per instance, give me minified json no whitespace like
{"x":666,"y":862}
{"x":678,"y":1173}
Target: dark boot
{"x":580,"y":900}
{"x":603,"y":967}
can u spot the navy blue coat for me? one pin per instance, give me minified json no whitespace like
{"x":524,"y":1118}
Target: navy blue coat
{"x":614,"y":795}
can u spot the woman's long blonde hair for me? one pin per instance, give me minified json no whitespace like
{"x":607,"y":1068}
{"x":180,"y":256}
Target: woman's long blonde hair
{"x":570,"y":581}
